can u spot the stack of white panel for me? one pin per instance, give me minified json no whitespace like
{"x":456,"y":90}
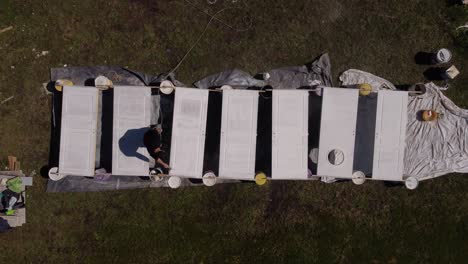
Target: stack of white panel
{"x":78,"y":130}
{"x":132,"y":111}
{"x":290,"y":134}
{"x":337,"y":132}
{"x":238,"y":134}
{"x":188,"y":132}
{"x":390,"y":133}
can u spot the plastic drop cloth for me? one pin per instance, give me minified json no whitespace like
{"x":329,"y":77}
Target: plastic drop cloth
{"x":109,"y":183}
{"x":318,"y":72}
{"x":432,"y":148}
{"x":235,"y":78}
{"x":353,"y":77}
{"x":440,"y":147}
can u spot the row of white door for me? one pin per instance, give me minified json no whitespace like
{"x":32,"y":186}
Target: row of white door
{"x":132,"y":110}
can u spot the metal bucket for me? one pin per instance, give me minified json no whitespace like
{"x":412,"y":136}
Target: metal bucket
{"x":443,"y":56}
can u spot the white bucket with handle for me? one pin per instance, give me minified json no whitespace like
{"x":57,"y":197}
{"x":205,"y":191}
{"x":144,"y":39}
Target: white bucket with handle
{"x":443,"y":56}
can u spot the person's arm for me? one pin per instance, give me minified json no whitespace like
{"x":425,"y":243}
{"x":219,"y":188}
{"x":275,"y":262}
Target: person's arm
{"x":165,"y":165}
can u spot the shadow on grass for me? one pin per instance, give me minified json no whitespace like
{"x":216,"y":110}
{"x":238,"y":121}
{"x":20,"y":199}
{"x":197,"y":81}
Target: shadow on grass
{"x":425,"y":58}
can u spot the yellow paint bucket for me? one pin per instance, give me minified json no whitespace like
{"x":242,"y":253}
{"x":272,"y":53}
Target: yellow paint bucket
{"x":62,"y":82}
{"x":364,"y":89}
{"x":429,"y":115}
{"x":260,"y":178}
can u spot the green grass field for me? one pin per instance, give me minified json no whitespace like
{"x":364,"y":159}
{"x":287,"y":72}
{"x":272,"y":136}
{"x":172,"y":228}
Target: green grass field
{"x":282,"y":222}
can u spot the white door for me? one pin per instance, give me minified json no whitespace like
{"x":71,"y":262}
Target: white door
{"x":238,"y":134}
{"x":188,"y":132}
{"x":132,"y":111}
{"x":289,"y":134}
{"x":337,"y":132}
{"x":78,"y":130}
{"x":390,"y":133}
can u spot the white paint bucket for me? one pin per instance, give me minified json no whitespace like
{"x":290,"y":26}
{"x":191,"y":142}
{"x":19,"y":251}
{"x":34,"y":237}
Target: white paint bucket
{"x":54,"y":175}
{"x":102,"y":82}
{"x":443,"y":56}
{"x":166,"y":87}
{"x":174,"y":182}
{"x":358,"y":177}
{"x":209,"y":178}
{"x":411,"y":183}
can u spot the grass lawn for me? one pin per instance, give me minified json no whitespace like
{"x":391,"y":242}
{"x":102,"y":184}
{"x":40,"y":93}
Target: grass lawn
{"x":282,"y":222}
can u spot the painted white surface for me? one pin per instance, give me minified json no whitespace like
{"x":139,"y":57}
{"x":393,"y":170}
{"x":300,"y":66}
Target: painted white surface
{"x":238,"y":134}
{"x":131,"y":121}
{"x":78,"y":130}
{"x":289,"y":134}
{"x":390,"y":133}
{"x":188,"y":132}
{"x":338,"y":130}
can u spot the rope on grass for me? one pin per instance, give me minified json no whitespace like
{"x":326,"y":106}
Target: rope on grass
{"x":6,"y":29}
{"x":247,"y":19}
{"x":464,"y":26}
{"x":6,"y":100}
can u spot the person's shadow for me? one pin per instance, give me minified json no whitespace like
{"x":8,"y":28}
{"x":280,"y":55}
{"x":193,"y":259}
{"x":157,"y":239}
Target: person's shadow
{"x":132,"y":141}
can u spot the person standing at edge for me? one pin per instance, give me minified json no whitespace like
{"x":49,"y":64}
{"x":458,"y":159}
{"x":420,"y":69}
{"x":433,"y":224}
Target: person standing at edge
{"x":152,"y":141}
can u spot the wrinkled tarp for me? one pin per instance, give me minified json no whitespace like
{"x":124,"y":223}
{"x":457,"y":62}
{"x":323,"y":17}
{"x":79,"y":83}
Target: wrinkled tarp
{"x":86,"y":75}
{"x":235,"y":78}
{"x":318,"y":72}
{"x":150,"y":80}
{"x":432,"y":148}
{"x":109,"y":183}
{"x":353,"y":77}
{"x":436,"y":148}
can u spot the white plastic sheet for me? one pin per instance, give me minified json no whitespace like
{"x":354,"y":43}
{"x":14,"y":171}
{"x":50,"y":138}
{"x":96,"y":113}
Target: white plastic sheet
{"x":353,"y":77}
{"x":432,"y":148}
{"x":438,"y":147}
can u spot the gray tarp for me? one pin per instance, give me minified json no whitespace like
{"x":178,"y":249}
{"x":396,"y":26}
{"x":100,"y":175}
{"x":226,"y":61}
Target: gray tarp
{"x":86,"y":75}
{"x":235,"y":78}
{"x":318,"y":72}
{"x":109,"y":183}
{"x":432,"y":148}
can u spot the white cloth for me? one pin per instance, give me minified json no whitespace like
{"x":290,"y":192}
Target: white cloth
{"x":432,"y":148}
{"x":354,"y":77}
{"x":438,"y":147}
